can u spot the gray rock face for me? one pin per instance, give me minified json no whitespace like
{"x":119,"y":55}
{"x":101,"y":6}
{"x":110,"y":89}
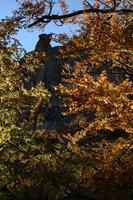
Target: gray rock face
{"x":51,"y":72}
{"x":43,"y":43}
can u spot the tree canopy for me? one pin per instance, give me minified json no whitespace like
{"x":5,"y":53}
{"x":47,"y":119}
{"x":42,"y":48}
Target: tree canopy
{"x":91,"y":157}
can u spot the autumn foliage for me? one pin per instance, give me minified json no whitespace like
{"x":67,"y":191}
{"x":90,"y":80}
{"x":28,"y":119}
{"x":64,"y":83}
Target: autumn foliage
{"x":91,"y":157}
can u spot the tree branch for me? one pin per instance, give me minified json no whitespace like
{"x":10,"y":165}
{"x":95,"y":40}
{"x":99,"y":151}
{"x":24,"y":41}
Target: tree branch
{"x":48,"y":18}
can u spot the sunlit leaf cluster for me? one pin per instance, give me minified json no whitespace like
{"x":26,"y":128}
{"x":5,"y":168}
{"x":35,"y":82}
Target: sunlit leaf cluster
{"x":89,"y":156}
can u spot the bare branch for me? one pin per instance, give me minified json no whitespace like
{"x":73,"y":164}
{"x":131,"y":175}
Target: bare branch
{"x":51,"y":4}
{"x":86,"y":2}
{"x":49,"y":18}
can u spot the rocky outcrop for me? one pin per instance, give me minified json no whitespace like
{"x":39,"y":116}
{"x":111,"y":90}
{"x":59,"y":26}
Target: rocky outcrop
{"x":43,"y":43}
{"x":53,"y":65}
{"x":50,"y":74}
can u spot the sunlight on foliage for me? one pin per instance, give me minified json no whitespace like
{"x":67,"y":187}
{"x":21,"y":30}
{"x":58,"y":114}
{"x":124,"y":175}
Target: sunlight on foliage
{"x":90,"y":155}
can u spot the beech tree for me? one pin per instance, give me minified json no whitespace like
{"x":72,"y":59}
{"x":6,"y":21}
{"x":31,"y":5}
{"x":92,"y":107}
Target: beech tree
{"x":92,"y":155}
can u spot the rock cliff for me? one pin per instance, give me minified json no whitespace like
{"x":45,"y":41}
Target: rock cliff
{"x":51,"y":76}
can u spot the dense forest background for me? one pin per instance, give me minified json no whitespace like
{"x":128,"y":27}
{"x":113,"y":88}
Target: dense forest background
{"x":90,"y":155}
